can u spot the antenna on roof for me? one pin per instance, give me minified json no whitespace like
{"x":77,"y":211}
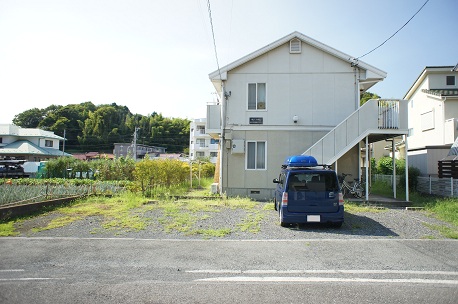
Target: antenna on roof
{"x":455,"y":68}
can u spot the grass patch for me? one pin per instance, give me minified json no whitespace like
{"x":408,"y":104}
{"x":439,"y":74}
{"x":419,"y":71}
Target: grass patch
{"x":443,"y":208}
{"x":116,"y":212}
{"x":252,"y":222}
{"x":7,"y":229}
{"x":222,"y":232}
{"x":183,"y":215}
{"x":362,"y":208}
{"x":448,"y":232}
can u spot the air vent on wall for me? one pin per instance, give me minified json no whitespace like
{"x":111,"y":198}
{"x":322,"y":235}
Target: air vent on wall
{"x":295,"y":46}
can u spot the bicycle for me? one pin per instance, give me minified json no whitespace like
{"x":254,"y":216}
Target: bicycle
{"x":356,"y":188}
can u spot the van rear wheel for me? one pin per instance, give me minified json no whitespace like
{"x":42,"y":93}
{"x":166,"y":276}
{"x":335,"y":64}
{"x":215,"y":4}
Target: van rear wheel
{"x":282,"y":223}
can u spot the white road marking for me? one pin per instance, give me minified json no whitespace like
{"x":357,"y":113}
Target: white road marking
{"x":324,"y":271}
{"x":318,"y":279}
{"x":30,"y":279}
{"x":395,"y":240}
{"x":11,"y":270}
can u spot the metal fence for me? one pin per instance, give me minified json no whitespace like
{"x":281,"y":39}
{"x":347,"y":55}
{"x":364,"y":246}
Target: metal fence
{"x":24,"y":194}
{"x":426,"y":184}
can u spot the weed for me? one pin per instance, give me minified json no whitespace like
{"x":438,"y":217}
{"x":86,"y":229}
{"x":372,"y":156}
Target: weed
{"x":252,"y":222}
{"x":448,"y":232}
{"x":360,"y":208}
{"x":7,"y":229}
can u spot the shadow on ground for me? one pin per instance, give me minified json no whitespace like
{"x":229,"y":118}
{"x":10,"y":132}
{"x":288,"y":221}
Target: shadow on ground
{"x":353,"y":225}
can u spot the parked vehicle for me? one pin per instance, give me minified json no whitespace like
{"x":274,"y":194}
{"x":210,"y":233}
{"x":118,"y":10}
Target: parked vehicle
{"x":307,"y":192}
{"x":12,"y":169}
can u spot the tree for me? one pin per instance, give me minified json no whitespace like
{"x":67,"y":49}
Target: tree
{"x":96,"y":128}
{"x":367,"y":96}
{"x":29,"y":118}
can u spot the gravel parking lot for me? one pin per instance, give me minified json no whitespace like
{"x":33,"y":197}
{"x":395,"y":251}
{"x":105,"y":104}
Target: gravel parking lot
{"x":372,"y":223}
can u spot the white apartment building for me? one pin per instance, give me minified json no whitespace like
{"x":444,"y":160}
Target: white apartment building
{"x":433,"y":117}
{"x":201,"y":145}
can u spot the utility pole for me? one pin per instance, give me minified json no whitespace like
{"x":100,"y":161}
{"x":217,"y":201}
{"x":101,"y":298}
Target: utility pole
{"x":63,"y":145}
{"x":135,"y":143}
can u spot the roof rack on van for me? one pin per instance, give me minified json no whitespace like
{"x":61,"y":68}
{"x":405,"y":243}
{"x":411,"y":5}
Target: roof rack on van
{"x":302,"y":161}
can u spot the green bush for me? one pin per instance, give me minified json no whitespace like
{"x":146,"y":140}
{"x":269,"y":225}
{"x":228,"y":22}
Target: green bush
{"x":385,"y":165}
{"x":150,"y":174}
{"x":414,"y":173}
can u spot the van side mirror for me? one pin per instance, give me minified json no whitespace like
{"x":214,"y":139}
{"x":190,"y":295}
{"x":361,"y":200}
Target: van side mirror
{"x":276,"y":181}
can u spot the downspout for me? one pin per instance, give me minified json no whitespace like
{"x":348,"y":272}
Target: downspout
{"x":367,"y":169}
{"x":407,"y":167}
{"x":355,"y":72}
{"x":443,"y":115}
{"x":394,"y":167}
{"x":223,"y":136}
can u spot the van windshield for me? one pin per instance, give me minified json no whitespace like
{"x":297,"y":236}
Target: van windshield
{"x":313,"y":181}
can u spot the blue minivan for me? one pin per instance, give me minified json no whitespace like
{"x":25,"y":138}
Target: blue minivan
{"x":307,"y":192}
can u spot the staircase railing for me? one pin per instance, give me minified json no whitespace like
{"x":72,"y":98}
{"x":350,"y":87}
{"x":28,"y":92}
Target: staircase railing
{"x":375,"y":116}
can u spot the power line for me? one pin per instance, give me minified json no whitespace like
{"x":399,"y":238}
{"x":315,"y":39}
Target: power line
{"x":213,"y":35}
{"x":395,"y":32}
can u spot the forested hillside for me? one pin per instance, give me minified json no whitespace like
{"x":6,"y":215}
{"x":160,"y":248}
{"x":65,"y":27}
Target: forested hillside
{"x":90,"y":127}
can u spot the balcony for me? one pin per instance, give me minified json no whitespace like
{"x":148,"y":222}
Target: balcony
{"x":213,"y":125}
{"x":450,"y":130}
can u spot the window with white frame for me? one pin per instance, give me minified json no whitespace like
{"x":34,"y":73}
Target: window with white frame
{"x":201,"y":129}
{"x":450,"y":80}
{"x":200,"y":142}
{"x":48,"y":143}
{"x":256,"y":155}
{"x":256,"y":96}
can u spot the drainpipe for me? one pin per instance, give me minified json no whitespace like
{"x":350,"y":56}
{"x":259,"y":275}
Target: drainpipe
{"x":407,"y":167}
{"x":223,"y":137}
{"x":367,"y":168}
{"x":394,"y":167}
{"x":443,"y":116}
{"x":356,"y":70}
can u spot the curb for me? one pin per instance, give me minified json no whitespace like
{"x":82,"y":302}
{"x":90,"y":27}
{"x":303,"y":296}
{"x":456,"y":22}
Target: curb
{"x":25,"y":209}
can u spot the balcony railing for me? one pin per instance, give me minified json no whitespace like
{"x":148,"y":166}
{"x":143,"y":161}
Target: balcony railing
{"x":374,"y":117}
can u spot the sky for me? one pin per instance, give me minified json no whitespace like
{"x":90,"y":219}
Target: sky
{"x":155,"y":55}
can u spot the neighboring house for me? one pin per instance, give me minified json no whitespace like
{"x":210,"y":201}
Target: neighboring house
{"x":128,"y":149}
{"x":201,"y":144}
{"x":433,"y":117}
{"x":33,"y":145}
{"x":295,"y":96}
{"x":92,"y":156}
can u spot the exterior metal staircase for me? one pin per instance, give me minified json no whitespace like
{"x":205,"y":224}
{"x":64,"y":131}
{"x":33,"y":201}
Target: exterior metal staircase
{"x":376,"y":120}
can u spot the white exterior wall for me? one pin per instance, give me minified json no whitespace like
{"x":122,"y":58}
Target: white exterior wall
{"x":200,"y":142}
{"x":420,"y":104}
{"x":427,"y":147}
{"x":39,"y":141}
{"x":444,"y":109}
{"x":315,"y":86}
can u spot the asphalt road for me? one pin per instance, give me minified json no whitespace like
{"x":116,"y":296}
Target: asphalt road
{"x":134,"y":270}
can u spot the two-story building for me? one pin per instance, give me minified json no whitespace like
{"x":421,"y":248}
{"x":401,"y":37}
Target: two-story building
{"x":295,"y":96}
{"x":433,"y":117}
{"x":33,"y":145}
{"x":202,"y":145}
{"x":136,"y":151}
